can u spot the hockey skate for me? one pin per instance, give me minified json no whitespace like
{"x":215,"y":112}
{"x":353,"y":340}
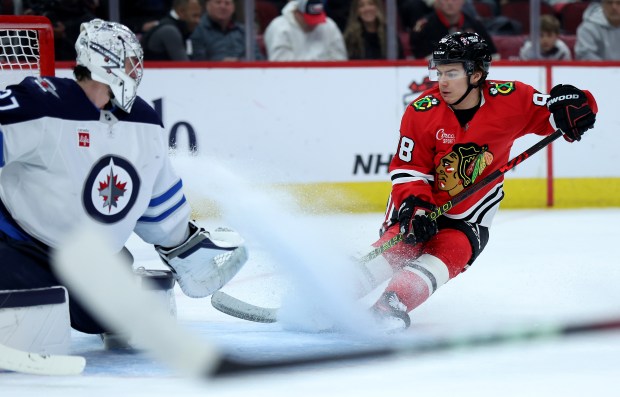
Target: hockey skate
{"x":390,"y":313}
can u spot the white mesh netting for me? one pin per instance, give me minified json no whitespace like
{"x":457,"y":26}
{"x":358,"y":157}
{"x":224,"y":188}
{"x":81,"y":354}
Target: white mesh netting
{"x":19,"y":55}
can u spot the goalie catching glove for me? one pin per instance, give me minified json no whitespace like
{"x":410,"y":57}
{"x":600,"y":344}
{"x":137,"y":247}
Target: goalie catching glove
{"x":415,"y":224}
{"x":204,"y":263}
{"x":574,"y":111}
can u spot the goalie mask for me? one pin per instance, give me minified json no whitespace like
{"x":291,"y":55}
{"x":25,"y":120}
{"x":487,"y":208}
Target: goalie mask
{"x":113,"y":55}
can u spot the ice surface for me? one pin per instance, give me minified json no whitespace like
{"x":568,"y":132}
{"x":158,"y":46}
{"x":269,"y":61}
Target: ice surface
{"x":540,"y":267}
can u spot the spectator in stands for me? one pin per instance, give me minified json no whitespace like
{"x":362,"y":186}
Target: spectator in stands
{"x":218,"y":37}
{"x":338,"y":11}
{"x":598,"y":36}
{"x":447,"y":17}
{"x":139,"y":16}
{"x":168,"y":40}
{"x":551,"y":46}
{"x":410,"y":11}
{"x":145,"y":14}
{"x":304,"y":33}
{"x":66,"y":17}
{"x":365,"y":34}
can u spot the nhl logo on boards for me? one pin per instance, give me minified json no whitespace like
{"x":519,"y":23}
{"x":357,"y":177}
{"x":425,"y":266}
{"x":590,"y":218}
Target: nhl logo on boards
{"x":111,"y":189}
{"x":83,"y":138}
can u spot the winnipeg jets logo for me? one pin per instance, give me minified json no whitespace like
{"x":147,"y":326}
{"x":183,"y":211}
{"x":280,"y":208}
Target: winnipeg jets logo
{"x":111,"y":189}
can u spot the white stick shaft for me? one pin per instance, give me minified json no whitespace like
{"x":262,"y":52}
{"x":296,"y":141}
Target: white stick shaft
{"x":106,"y":285}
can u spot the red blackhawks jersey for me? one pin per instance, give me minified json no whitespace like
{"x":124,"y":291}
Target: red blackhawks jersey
{"x":437,"y":158}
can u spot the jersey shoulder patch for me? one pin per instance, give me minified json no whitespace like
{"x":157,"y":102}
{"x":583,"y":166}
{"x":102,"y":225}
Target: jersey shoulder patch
{"x":46,"y":86}
{"x":425,"y":103}
{"x":502,"y":88}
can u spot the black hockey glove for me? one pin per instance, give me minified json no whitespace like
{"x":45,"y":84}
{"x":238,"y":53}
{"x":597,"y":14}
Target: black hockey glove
{"x":415,"y":224}
{"x":571,"y":111}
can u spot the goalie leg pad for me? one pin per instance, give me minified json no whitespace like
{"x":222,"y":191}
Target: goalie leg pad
{"x":36,"y":320}
{"x":203,"y":264}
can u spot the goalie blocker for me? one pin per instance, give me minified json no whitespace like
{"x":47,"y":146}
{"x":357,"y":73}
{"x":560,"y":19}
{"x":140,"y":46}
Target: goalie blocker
{"x":205,"y":262}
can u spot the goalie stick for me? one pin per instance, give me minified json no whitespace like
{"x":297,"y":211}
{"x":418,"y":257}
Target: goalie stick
{"x":243,"y":310}
{"x":39,"y":364}
{"x":106,"y":285}
{"x":246,"y":311}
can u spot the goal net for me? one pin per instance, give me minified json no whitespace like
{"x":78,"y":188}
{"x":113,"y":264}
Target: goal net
{"x":26,"y":48}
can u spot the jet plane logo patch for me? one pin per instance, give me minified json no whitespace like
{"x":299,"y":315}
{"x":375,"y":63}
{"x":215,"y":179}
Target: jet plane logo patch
{"x":111,"y":189}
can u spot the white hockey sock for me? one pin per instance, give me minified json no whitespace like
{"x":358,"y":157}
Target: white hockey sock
{"x":372,"y":274}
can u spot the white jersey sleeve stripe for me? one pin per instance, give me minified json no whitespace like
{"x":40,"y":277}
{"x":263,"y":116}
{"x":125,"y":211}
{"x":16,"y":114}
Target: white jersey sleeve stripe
{"x":152,"y":212}
{"x":399,"y":176}
{"x":164,"y":214}
{"x":407,"y":180}
{"x":166,"y":195}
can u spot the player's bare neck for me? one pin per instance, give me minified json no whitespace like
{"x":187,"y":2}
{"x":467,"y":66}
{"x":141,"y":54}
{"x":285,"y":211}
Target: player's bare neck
{"x":98,"y":93}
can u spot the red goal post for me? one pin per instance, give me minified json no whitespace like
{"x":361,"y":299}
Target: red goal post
{"x":26,"y":48}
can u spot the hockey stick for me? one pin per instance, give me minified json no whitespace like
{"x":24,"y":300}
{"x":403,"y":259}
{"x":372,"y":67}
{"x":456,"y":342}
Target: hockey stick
{"x":246,"y":311}
{"x":464,"y":194}
{"x":414,"y":348}
{"x":39,"y":364}
{"x":107,"y":286}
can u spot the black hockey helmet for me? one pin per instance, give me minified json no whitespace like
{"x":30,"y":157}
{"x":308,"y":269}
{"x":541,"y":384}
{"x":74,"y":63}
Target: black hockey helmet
{"x":463,"y":47}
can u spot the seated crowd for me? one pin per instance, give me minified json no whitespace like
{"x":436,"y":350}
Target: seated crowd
{"x":322,"y":30}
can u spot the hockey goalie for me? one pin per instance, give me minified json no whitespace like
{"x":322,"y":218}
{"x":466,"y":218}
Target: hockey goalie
{"x":90,"y":151}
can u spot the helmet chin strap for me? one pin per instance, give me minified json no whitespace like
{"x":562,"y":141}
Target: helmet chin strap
{"x":470,"y":87}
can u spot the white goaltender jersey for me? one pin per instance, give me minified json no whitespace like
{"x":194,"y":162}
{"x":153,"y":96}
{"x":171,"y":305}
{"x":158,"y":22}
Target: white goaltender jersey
{"x":65,"y":162}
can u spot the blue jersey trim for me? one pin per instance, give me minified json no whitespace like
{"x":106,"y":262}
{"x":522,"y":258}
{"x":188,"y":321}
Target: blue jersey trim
{"x":164,"y":214}
{"x":167,"y":195}
{"x":1,"y":149}
{"x":10,"y":228}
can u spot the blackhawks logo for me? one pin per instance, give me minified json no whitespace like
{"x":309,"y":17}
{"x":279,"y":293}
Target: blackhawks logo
{"x":425,"y":103}
{"x":501,"y":88}
{"x":460,"y":168}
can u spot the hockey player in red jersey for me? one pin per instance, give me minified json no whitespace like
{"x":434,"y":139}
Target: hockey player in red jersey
{"x":453,"y":134}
